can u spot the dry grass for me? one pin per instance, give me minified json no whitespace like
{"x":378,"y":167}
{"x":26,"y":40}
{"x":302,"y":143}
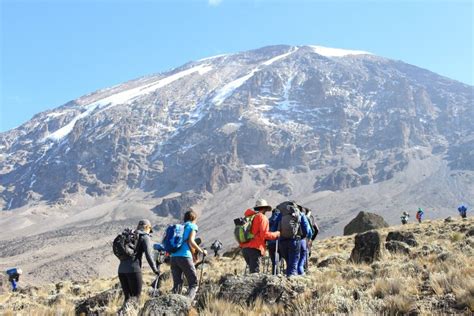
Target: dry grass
{"x":440,"y":266}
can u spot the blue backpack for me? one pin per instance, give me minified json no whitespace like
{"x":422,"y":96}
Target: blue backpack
{"x":174,"y":238}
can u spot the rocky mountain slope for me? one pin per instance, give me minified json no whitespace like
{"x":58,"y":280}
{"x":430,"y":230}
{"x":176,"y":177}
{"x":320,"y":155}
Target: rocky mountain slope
{"x":341,"y":131}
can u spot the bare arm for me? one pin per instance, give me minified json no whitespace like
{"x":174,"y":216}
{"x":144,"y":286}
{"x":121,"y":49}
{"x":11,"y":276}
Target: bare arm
{"x":192,"y":243}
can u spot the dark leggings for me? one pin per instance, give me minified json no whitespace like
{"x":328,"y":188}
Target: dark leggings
{"x":131,"y":284}
{"x":252,"y":258}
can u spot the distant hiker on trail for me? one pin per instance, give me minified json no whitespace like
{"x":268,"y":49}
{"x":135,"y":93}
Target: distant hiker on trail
{"x":419,"y":215}
{"x":405,"y":216}
{"x":129,"y":247}
{"x":294,"y":229}
{"x":309,"y":240}
{"x":252,"y":233}
{"x":182,"y":257}
{"x":462,"y":211}
{"x":14,"y":277}
{"x":216,"y":246}
{"x":271,"y":244}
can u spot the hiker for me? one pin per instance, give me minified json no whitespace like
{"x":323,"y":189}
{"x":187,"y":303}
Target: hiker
{"x":14,"y":277}
{"x":271,"y":244}
{"x":182,"y":259}
{"x":405,"y":216}
{"x":216,"y":246}
{"x":314,"y":232}
{"x":130,"y":268}
{"x":294,"y":229}
{"x":254,"y":249}
{"x":462,"y":211}
{"x":419,"y":214}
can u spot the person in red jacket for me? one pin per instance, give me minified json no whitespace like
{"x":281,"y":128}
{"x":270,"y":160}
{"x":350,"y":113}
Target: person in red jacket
{"x":255,"y":248}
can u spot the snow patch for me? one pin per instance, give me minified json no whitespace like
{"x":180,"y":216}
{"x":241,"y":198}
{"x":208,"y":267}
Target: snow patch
{"x":257,"y":166}
{"x":125,"y":97}
{"x":229,"y":88}
{"x":336,"y":52}
{"x":214,"y":57}
{"x":230,"y":128}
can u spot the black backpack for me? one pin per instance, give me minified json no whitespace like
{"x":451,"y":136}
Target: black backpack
{"x":125,"y":244}
{"x":290,"y":223}
{"x":314,"y":226}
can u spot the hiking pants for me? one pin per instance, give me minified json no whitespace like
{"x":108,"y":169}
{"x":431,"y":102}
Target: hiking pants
{"x":303,"y":256}
{"x":132,"y":284}
{"x":290,"y":251}
{"x":180,"y":266}
{"x":252,"y":258}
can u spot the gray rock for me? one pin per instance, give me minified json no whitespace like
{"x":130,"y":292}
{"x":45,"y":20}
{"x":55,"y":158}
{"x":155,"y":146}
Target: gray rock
{"x":470,"y":232}
{"x":363,"y":222}
{"x":449,"y":219}
{"x":395,"y":246}
{"x":97,"y":305}
{"x":331,"y":261}
{"x":248,"y":288}
{"x":406,"y":237}
{"x":177,"y":206}
{"x":366,"y":248}
{"x":170,"y":304}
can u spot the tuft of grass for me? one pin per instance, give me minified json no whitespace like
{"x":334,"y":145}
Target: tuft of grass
{"x":456,"y":236}
{"x":399,"y":304}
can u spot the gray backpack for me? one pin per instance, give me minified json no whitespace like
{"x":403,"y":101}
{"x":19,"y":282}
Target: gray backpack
{"x":290,"y":224}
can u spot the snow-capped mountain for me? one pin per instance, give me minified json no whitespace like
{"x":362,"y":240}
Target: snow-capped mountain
{"x":198,"y":126}
{"x":338,"y":130}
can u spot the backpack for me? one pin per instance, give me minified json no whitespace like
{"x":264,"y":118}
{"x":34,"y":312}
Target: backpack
{"x":314,"y":226}
{"x":125,"y":244}
{"x":174,"y":238}
{"x":243,"y":229}
{"x":216,"y":245}
{"x":290,"y":223}
{"x":419,"y":214}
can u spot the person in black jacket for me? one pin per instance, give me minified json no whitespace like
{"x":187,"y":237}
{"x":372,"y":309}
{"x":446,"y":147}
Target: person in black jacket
{"x":130,"y":270}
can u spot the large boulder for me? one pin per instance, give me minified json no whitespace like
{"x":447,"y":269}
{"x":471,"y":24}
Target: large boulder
{"x":406,"y":237}
{"x":363,"y":222}
{"x":98,"y":304}
{"x":171,"y":304}
{"x":246,"y":289}
{"x":366,"y":248}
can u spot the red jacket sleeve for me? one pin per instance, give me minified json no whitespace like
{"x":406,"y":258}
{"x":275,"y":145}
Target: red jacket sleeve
{"x":261,"y":227}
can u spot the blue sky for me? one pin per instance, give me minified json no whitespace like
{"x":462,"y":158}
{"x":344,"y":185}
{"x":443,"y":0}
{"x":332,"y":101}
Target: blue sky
{"x":55,"y":51}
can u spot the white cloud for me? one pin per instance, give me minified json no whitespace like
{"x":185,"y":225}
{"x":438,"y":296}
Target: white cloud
{"x":214,"y":2}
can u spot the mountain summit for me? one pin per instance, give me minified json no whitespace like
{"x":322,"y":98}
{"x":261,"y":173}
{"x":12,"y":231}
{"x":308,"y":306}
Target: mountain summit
{"x":340,"y":130}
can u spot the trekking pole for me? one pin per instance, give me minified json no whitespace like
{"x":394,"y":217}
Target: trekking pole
{"x":155,"y":285}
{"x":277,"y":259}
{"x":202,"y":270}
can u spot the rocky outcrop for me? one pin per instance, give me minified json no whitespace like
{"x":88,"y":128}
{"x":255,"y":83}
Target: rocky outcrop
{"x":270,"y":289}
{"x":170,"y":304}
{"x":177,"y":206}
{"x":397,"y":247}
{"x":366,"y":248}
{"x":97,"y":305}
{"x":405,"y":237}
{"x":363,"y":222}
{"x":331,"y":261}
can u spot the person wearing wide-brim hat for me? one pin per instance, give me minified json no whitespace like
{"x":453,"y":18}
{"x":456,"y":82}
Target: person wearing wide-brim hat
{"x":255,"y":248}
